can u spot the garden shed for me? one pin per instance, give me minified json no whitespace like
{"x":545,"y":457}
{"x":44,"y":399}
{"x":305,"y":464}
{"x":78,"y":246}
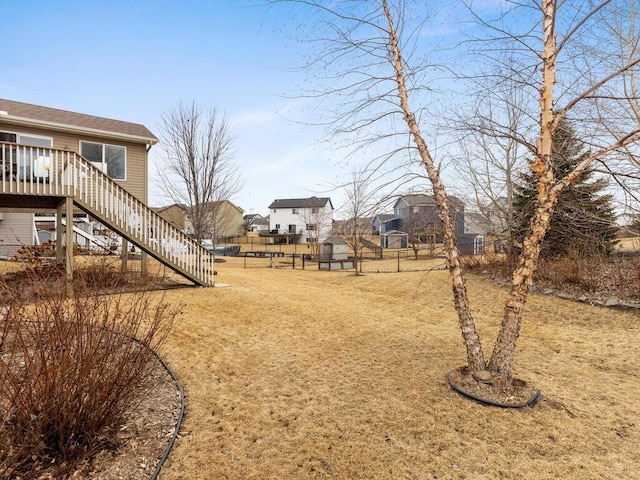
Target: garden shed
{"x":394,"y":239}
{"x":471,"y":244}
{"x":334,"y":248}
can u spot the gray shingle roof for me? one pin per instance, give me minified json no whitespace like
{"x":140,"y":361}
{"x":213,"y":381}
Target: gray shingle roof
{"x":301,"y":202}
{"x":63,"y":118}
{"x":415,"y":199}
{"x":385,"y":217}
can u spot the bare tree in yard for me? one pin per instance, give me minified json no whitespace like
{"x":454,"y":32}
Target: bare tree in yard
{"x":619,"y":41}
{"x":358,"y":209}
{"x":317,"y":225}
{"x":491,"y":157}
{"x":199,"y":169}
{"x":380,"y":86}
{"x":420,"y":233}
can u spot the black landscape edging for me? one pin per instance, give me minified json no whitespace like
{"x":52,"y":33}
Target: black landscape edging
{"x":535,"y":398}
{"x":174,"y":436}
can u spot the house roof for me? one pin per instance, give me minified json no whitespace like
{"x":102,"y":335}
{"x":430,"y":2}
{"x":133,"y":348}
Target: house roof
{"x":335,"y":240}
{"x":301,"y":202}
{"x":385,"y":217}
{"x":186,"y":208}
{"x":179,"y":205}
{"x":477,"y":223}
{"x":221,"y":202}
{"x":419,"y":199}
{"x":52,"y":118}
{"x":255,"y":219}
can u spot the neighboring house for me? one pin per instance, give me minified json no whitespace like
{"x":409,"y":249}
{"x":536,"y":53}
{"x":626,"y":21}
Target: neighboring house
{"x":60,"y":162}
{"x":385,"y":222}
{"x":228,"y":222}
{"x":307,"y":220}
{"x":226,"y":218}
{"x":254,"y":222}
{"x":478,"y":223}
{"x":359,"y":226}
{"x":178,"y":215}
{"x":419,"y":212}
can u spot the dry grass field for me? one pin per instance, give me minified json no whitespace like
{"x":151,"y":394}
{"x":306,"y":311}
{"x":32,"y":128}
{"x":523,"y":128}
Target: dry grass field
{"x":293,"y":374}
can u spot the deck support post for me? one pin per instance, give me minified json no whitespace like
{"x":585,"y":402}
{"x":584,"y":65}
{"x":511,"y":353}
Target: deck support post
{"x":69,"y":238}
{"x":124,"y":255}
{"x":144,"y":264}
{"x":59,"y":242}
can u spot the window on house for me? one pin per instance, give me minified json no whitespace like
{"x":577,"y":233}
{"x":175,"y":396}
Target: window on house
{"x":294,"y":211}
{"x":274,"y":210}
{"x":31,"y":162}
{"x":278,"y":226}
{"x":311,"y":227}
{"x":111,"y":159}
{"x":314,"y":210}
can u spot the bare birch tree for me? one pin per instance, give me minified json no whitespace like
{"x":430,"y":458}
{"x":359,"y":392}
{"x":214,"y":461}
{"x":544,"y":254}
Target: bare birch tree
{"x":373,"y":39}
{"x":198,"y":169}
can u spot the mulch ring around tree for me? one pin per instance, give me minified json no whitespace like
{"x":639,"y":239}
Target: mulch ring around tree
{"x":490,"y":390}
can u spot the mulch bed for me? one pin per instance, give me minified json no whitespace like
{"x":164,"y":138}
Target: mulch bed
{"x":516,"y":394}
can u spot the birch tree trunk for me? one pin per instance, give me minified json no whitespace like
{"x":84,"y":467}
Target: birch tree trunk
{"x":502,"y":357}
{"x":475,"y":356}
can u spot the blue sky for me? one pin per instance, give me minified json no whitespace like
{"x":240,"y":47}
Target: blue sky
{"x":134,"y":60}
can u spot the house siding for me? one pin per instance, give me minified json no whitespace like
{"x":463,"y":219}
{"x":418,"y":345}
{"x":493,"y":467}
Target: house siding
{"x":177,"y":216}
{"x":136,"y":156}
{"x":16,"y":229}
{"x":231,"y":226}
{"x":323,"y":219}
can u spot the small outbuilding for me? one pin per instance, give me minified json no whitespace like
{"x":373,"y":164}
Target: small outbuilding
{"x":471,"y":244}
{"x":334,"y":248}
{"x":394,"y":239}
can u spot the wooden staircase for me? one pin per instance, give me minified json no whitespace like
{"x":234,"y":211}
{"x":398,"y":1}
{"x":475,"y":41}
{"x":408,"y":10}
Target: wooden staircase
{"x":48,"y":176}
{"x":376,"y":249}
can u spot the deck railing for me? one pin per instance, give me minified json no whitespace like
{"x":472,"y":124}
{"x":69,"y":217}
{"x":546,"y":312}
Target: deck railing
{"x":38,"y":171}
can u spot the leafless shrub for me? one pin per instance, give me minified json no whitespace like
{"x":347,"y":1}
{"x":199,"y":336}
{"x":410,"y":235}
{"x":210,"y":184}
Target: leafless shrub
{"x":497,"y":263}
{"x":103,"y":274}
{"x":69,"y":371}
{"x":580,"y":273}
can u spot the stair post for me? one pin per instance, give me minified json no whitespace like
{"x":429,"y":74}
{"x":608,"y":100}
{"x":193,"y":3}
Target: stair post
{"x":59,"y":243}
{"x":68,"y":229}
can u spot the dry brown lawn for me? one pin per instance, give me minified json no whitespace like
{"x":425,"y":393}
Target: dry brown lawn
{"x":306,"y":374}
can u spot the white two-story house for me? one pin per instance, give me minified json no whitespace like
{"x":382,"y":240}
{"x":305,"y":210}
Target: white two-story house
{"x":300,"y":220}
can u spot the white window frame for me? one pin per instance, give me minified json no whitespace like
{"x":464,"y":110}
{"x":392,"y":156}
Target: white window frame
{"x":103,"y":165}
{"x":38,"y":167}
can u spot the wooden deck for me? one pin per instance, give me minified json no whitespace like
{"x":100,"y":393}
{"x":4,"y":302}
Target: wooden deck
{"x":44,"y":178}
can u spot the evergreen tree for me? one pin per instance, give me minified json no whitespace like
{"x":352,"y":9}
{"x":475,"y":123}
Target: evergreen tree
{"x":584,"y":218}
